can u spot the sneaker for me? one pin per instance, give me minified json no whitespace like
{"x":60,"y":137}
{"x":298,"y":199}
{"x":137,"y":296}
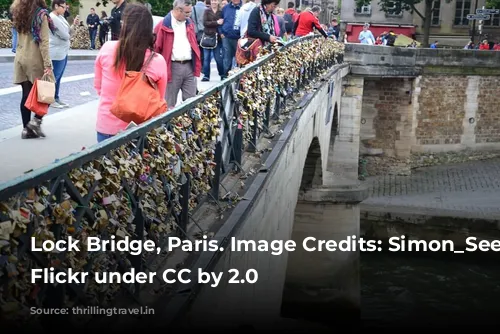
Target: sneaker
{"x":61,"y":103}
{"x":28,"y":134}
{"x":57,"y":105}
{"x":35,"y":126}
{"x":205,"y":79}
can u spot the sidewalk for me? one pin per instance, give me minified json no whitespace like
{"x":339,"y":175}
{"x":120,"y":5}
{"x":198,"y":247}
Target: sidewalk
{"x":67,"y":132}
{"x":468,"y":190}
{"x":6,"y":55}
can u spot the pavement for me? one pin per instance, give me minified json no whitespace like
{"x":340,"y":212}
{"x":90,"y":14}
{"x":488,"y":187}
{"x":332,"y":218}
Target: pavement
{"x":468,"y":190}
{"x":68,"y":130}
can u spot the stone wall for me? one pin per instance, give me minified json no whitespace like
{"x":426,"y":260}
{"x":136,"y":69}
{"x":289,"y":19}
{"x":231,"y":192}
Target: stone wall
{"x":450,"y":117}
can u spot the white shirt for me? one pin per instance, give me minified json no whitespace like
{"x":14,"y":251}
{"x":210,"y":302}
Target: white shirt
{"x":181,"y":49}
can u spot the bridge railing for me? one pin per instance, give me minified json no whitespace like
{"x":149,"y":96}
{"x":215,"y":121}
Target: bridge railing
{"x":145,"y":183}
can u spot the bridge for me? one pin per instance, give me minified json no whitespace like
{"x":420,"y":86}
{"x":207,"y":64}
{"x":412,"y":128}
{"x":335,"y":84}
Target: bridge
{"x":272,"y":153}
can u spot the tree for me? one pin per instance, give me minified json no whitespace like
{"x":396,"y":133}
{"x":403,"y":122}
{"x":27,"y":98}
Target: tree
{"x":493,"y":4}
{"x":159,"y":7}
{"x":398,"y":6}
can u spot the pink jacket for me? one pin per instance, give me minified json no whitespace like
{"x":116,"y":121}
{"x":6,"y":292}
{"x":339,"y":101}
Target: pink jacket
{"x":107,"y":82}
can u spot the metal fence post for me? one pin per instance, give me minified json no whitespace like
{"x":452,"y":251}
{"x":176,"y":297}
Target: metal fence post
{"x":218,"y":168}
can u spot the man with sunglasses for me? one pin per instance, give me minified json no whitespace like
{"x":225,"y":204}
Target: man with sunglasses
{"x":176,"y":42}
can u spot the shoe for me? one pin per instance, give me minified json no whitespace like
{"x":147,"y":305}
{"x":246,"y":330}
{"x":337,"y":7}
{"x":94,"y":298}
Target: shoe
{"x":205,"y":79}
{"x":61,"y":103}
{"x":28,"y":134}
{"x":223,"y":77}
{"x":56,"y":105}
{"x":35,"y":126}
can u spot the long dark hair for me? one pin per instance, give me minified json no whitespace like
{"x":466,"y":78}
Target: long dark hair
{"x":136,"y":36}
{"x":23,"y":12}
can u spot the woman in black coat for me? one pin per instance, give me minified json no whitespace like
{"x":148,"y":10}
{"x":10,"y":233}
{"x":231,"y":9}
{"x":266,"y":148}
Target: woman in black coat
{"x":263,"y":24}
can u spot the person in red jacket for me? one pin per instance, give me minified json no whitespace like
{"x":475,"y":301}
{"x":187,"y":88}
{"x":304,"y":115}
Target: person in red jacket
{"x":307,"y":21}
{"x":497,"y":47}
{"x":176,"y":42}
{"x":484,"y":45}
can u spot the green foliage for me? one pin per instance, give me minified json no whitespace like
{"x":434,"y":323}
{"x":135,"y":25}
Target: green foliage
{"x":493,"y":4}
{"x":159,"y":7}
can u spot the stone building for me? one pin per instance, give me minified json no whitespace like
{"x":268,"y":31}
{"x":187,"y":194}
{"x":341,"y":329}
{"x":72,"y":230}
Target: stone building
{"x":449,"y":23}
{"x":353,"y":18}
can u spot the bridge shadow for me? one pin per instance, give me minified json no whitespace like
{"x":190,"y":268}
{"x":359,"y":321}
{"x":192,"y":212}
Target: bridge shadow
{"x":321,"y":285}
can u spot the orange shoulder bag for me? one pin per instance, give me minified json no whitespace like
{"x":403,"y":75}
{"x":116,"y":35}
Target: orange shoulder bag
{"x":138,"y":99}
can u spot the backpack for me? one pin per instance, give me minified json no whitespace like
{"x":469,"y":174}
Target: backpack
{"x":289,"y":22}
{"x":391,"y":39}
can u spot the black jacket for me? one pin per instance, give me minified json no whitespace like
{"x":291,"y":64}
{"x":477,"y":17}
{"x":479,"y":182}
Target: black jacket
{"x":255,"y":26}
{"x":93,"y":20}
{"x":115,"y":20}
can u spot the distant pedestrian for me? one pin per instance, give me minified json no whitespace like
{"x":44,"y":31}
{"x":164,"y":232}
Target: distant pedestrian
{"x":230,"y":34}
{"x":434,"y":45}
{"x":308,"y":21}
{"x":103,"y":29}
{"x":366,"y":36}
{"x":129,"y":53}
{"x":33,"y":24}
{"x":92,"y":24}
{"x":176,"y":41}
{"x":60,"y":42}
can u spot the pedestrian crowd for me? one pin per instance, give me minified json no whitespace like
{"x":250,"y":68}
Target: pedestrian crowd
{"x":170,"y":54}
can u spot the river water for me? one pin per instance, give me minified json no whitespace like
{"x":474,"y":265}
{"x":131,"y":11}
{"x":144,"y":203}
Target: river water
{"x":433,"y":289}
{"x":417,"y":290}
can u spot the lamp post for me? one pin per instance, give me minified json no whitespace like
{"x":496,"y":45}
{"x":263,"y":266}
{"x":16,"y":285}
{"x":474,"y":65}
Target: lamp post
{"x":474,"y":25}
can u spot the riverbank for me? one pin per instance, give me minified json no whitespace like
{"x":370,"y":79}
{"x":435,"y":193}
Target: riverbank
{"x":461,"y":198}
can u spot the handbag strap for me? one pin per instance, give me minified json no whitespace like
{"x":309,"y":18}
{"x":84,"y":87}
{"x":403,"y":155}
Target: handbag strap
{"x":146,"y":64}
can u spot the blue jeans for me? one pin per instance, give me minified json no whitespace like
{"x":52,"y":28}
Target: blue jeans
{"x":93,"y":34}
{"x":207,"y":58}
{"x":228,"y":53}
{"x":58,"y":67}
{"x":102,"y":136}
{"x":14,"y":39}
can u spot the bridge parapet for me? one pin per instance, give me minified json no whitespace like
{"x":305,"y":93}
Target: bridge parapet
{"x":368,"y":60}
{"x":147,"y":182}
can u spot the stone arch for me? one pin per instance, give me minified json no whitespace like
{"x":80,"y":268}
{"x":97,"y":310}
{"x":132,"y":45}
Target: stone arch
{"x":334,"y":131}
{"x":312,"y":175}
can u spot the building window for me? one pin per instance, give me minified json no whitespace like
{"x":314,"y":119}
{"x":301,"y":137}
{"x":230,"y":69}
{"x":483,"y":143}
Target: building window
{"x":494,"y":21}
{"x":364,"y":10}
{"x":461,"y":11}
{"x":436,"y":12}
{"x":394,"y":8}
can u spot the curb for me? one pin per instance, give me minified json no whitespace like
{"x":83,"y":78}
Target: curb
{"x":428,"y":216}
{"x":10,"y":58}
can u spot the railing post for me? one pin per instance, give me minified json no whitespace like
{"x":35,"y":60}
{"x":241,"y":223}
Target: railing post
{"x":185,"y":192}
{"x":267,"y":113}
{"x":252,"y":147}
{"x":218,"y":169}
{"x":237,"y":148}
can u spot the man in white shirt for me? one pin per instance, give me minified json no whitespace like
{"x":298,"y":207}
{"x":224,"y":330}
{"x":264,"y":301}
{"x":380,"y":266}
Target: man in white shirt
{"x":176,"y":42}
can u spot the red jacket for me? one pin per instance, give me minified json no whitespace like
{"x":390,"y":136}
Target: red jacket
{"x":497,"y":47}
{"x":165,"y":43}
{"x":484,"y":46}
{"x":293,"y":13}
{"x":306,"y":23}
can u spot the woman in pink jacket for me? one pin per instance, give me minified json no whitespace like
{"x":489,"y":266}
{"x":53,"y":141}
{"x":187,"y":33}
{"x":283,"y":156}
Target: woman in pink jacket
{"x":128,"y":53}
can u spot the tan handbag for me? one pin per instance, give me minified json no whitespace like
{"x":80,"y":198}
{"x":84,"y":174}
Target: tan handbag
{"x":46,"y":88}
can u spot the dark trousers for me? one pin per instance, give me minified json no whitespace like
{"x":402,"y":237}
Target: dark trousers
{"x":92,"y":34}
{"x":228,"y":53}
{"x":25,"y":112}
{"x":207,"y":54}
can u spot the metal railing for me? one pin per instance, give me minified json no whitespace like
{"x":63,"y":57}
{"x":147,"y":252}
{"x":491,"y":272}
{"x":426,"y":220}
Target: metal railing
{"x":146,"y":182}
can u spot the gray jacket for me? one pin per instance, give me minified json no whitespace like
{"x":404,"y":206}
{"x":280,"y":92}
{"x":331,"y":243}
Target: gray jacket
{"x":60,"y":40}
{"x":199,"y":8}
